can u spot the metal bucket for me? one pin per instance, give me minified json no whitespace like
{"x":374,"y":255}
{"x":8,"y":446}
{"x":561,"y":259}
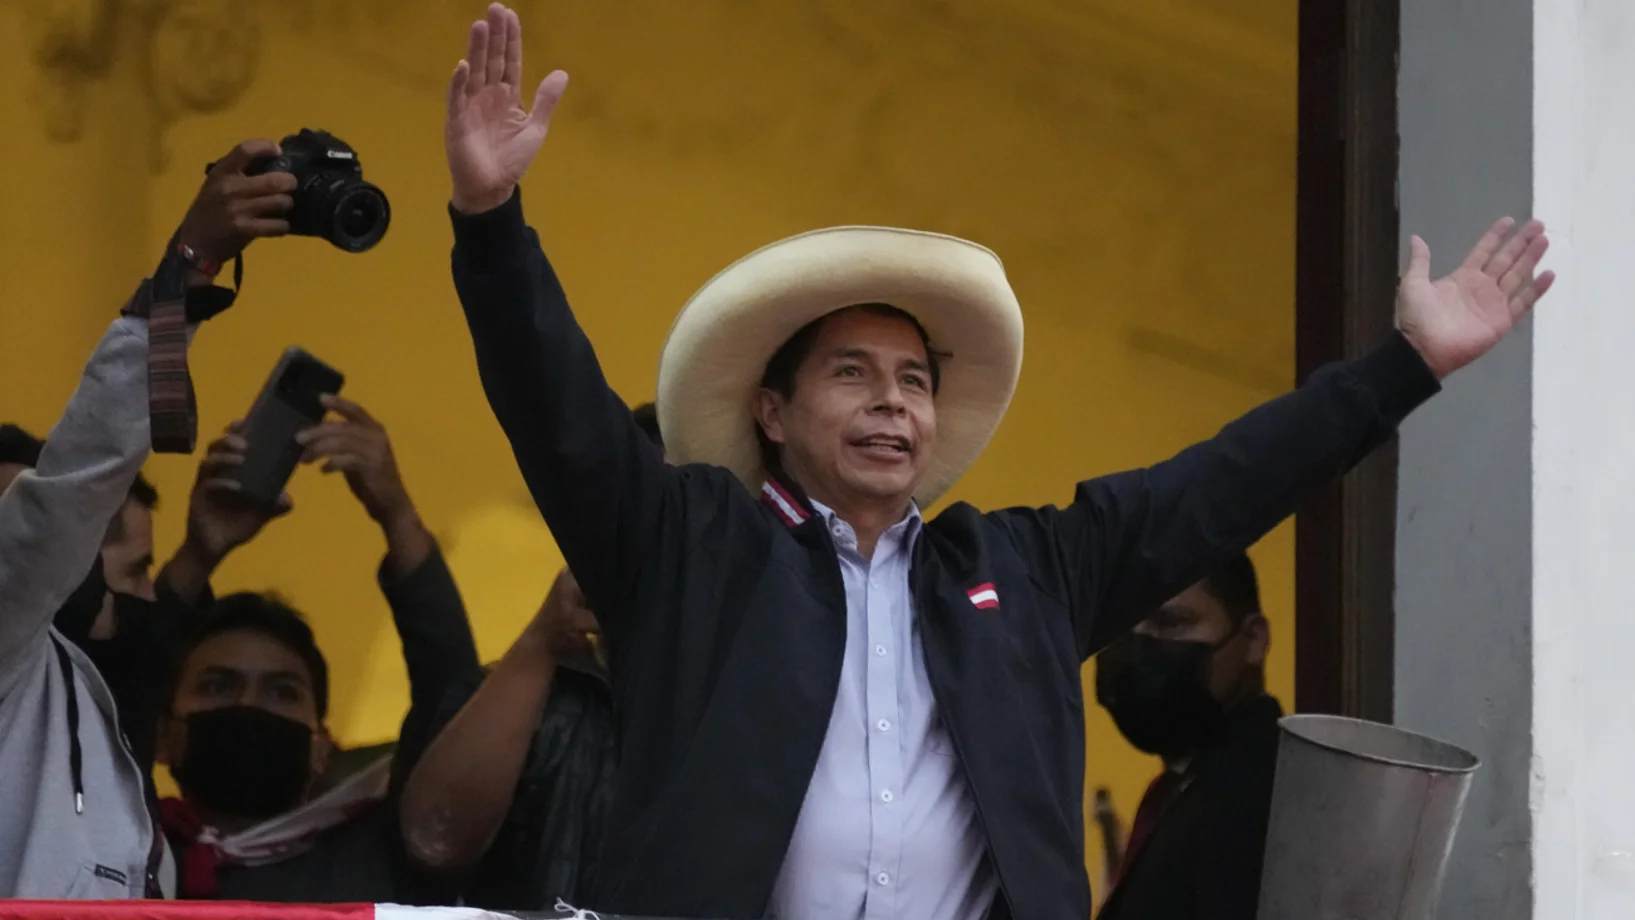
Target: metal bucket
{"x":1363,"y":818}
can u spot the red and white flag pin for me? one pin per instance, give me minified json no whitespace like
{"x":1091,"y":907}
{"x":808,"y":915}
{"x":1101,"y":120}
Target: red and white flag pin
{"x":984,"y":597}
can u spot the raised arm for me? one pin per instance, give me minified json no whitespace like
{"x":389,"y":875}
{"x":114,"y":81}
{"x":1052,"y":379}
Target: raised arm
{"x":53,"y":517}
{"x":458,"y":795}
{"x":1131,"y":540}
{"x":438,"y":648}
{"x":594,"y":474}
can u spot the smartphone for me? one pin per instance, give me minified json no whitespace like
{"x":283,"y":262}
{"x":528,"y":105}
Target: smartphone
{"x":288,"y":405}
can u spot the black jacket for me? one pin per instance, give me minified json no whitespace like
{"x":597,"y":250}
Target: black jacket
{"x":726,"y":628}
{"x":1203,"y":860}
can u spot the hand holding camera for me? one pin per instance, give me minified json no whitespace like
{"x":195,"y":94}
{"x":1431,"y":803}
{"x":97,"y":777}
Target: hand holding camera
{"x":234,"y":207}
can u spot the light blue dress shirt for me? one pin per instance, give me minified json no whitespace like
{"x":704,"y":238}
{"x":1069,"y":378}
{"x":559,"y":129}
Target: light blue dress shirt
{"x":889,"y":828}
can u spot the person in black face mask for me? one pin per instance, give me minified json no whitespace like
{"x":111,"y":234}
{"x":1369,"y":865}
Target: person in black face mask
{"x":265,"y":815}
{"x":1189,"y":687}
{"x":125,"y":624}
{"x":246,"y":741}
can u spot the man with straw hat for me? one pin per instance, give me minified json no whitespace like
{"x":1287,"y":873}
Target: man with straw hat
{"x":832,"y":707}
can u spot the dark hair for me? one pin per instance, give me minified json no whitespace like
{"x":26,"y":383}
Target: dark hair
{"x":779,"y":376}
{"x":647,"y":419}
{"x":1235,"y":585}
{"x":18,"y":446}
{"x":143,"y":493}
{"x":268,"y":614}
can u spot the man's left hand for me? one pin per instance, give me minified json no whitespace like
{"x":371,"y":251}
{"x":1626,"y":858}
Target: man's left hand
{"x":1456,"y":319}
{"x":355,"y":445}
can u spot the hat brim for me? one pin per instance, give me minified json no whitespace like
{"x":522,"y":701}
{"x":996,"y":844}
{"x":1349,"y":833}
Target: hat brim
{"x":721,"y":341}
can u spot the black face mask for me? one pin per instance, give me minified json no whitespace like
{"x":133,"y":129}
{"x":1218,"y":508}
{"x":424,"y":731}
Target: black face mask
{"x":245,"y":762}
{"x":79,"y":612}
{"x":1157,"y":691}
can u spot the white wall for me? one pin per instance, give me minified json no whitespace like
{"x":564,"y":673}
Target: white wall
{"x":1464,"y":518}
{"x":1515,"y":633}
{"x":1584,"y":462}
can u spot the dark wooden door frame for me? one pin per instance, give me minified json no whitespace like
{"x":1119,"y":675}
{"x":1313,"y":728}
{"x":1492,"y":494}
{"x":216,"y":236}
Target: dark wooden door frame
{"x":1346,"y":271}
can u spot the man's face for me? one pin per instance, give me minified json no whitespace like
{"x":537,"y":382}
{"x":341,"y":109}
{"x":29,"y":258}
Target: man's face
{"x":861,"y":425}
{"x":1195,"y":615}
{"x":127,"y":556}
{"x":245,"y":668}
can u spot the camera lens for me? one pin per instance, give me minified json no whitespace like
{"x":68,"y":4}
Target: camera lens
{"x":357,"y":217}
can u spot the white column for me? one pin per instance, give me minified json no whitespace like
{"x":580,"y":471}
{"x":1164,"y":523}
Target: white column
{"x":1516,"y":536}
{"x":1583,"y":797}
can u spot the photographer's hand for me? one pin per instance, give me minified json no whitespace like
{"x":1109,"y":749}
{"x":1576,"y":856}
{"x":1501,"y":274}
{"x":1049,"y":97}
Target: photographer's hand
{"x":219,"y":519}
{"x":356,"y":446}
{"x":489,"y":138}
{"x":232,"y":209}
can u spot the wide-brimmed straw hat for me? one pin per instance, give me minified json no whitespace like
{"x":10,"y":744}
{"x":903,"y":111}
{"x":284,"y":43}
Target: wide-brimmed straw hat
{"x":719,"y":346}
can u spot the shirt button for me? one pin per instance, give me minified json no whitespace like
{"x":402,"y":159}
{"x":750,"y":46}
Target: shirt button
{"x":884,"y":725}
{"x":886,"y":796}
{"x":883,"y":878}
{"x":880,"y":650}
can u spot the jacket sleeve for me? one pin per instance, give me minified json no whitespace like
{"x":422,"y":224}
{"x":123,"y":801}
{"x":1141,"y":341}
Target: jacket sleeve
{"x":597,"y":479}
{"x":1132,"y":540}
{"x":53,"y":517}
{"x":439,"y":650}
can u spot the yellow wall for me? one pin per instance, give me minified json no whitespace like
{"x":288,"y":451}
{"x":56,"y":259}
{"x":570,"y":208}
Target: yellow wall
{"x":1133,"y":163}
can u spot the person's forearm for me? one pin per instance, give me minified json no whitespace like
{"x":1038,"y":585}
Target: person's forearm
{"x":457,"y":796}
{"x":430,"y":616}
{"x":408,"y":542}
{"x":53,"y":517}
{"x":188,"y":573}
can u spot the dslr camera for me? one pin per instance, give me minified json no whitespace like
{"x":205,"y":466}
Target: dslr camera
{"x":331,"y":199}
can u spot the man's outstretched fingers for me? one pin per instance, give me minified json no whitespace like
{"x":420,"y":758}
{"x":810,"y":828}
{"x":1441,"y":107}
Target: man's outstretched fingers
{"x":477,"y":57}
{"x":1483,"y":251}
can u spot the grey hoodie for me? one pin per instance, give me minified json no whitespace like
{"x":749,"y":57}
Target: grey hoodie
{"x":52,"y":521}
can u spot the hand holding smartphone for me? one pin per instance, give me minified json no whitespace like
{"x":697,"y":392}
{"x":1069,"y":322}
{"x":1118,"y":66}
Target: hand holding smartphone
{"x":289,"y":403}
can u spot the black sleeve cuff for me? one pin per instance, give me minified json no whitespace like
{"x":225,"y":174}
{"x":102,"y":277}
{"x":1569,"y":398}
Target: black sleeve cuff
{"x":206,"y":301}
{"x":1397,"y":376}
{"x":493,"y":240}
{"x":432,"y":571}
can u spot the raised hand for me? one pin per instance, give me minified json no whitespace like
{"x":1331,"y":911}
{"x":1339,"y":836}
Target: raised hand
{"x":563,"y":624}
{"x":219,"y":518}
{"x":489,"y":138}
{"x":356,"y":445}
{"x":232,"y":208}
{"x":1456,"y":319}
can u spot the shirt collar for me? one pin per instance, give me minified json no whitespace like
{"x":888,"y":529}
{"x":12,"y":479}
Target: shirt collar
{"x":903,"y":532}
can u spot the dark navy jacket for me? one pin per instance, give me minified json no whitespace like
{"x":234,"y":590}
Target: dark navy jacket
{"x":726,"y":626}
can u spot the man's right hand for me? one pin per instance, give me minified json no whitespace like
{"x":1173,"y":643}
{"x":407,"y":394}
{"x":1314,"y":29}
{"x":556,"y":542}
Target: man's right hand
{"x":564,"y":624}
{"x":232,"y":209}
{"x":489,"y":138}
{"x":219,"y":518}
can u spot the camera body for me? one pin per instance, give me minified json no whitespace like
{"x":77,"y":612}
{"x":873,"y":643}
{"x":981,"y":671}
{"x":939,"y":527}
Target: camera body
{"x":331,"y":198}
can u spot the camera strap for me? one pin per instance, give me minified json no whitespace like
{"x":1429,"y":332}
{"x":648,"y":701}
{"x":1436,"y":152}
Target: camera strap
{"x":170,"y":306}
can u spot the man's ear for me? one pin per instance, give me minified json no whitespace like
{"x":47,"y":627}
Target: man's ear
{"x":323,"y":744}
{"x":170,"y":742}
{"x":769,"y":407}
{"x":1257,"y":632}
